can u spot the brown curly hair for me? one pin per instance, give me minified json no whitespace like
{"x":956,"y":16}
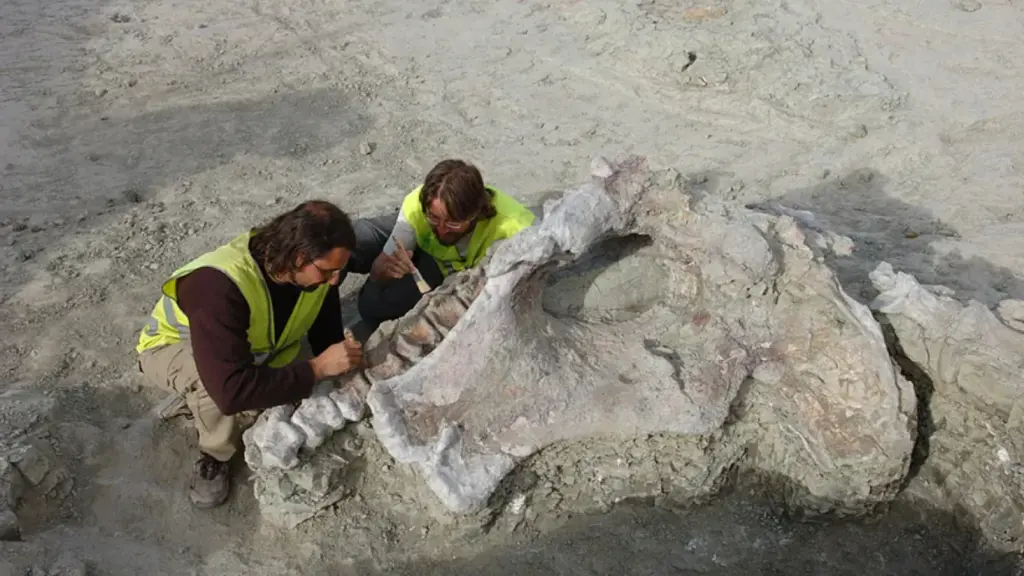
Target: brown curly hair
{"x":303,"y":234}
{"x":460,"y":187}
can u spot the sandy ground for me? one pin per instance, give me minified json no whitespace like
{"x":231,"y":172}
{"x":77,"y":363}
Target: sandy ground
{"x":134,"y":135}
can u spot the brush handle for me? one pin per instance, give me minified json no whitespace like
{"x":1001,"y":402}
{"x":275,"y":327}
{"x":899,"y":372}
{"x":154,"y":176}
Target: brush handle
{"x":421,"y":284}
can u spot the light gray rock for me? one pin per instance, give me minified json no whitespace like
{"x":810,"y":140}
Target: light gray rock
{"x":967,"y":350}
{"x":820,"y":237}
{"x":9,"y":527}
{"x":31,"y":463}
{"x":975,"y":363}
{"x":351,"y":399}
{"x":28,"y":461}
{"x":318,"y":478}
{"x":289,"y":497}
{"x":273,"y":441}
{"x":720,"y":314}
{"x":317,"y":418}
{"x":1012,"y":313}
{"x":12,"y":485}
{"x":297,"y":469}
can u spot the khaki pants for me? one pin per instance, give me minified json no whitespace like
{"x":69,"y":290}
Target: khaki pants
{"x":172,"y":367}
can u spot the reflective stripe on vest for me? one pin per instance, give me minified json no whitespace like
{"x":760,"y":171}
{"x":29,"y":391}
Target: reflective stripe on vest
{"x":152,"y":326}
{"x":511,"y":218}
{"x":168,"y":324}
{"x":151,"y":329}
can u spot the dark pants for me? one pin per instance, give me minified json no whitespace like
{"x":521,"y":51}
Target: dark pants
{"x":388,"y":300}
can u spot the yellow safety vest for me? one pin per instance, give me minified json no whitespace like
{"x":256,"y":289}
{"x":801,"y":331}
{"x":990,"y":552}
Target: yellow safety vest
{"x":511,"y":218}
{"x":169,"y":324}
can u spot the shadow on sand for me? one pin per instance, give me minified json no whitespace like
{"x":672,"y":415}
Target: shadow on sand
{"x":738,"y":536}
{"x":886,"y":229}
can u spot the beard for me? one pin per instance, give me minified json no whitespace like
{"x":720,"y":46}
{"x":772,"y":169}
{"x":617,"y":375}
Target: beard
{"x":450,"y":240}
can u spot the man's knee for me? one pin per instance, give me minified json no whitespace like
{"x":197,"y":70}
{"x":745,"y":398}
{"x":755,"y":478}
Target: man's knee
{"x":171,"y":366}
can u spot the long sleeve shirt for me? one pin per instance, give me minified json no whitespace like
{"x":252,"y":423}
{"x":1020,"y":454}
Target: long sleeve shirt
{"x":219,"y":319}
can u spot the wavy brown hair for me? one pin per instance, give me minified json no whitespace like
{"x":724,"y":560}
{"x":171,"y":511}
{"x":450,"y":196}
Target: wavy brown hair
{"x":460,"y":187}
{"x":303,"y":234}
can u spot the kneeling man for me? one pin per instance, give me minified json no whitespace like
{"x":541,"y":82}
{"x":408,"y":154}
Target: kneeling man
{"x":443,"y":226}
{"x":226,"y":332}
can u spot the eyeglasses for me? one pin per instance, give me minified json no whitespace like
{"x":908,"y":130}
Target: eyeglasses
{"x":448,"y":224}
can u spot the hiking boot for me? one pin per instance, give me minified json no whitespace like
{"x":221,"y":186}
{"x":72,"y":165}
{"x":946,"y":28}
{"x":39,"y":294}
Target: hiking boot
{"x":211,"y":482}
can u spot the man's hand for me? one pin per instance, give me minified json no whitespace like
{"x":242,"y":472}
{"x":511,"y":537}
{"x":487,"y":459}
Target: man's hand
{"x":338,"y":359}
{"x":392,"y":266}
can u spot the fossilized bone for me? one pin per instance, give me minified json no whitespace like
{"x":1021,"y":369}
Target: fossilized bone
{"x":720,"y":300}
{"x":631,"y":337}
{"x":279,"y":434}
{"x":293,"y":476}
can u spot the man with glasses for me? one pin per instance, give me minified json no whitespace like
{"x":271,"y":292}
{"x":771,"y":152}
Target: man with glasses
{"x":443,"y":226}
{"x":225,"y":334}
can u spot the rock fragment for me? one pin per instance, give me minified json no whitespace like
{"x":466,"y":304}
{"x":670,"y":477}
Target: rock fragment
{"x":1011,"y":312}
{"x":37,"y":463}
{"x":9,"y":528}
{"x":12,"y":485}
{"x":298,"y":470}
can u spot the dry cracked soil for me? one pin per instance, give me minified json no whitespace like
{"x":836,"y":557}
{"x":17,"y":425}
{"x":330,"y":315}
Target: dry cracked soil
{"x":136,"y":134}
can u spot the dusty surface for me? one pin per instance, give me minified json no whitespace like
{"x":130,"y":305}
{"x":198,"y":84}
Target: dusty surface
{"x":134,"y":135}
{"x":734,"y":537}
